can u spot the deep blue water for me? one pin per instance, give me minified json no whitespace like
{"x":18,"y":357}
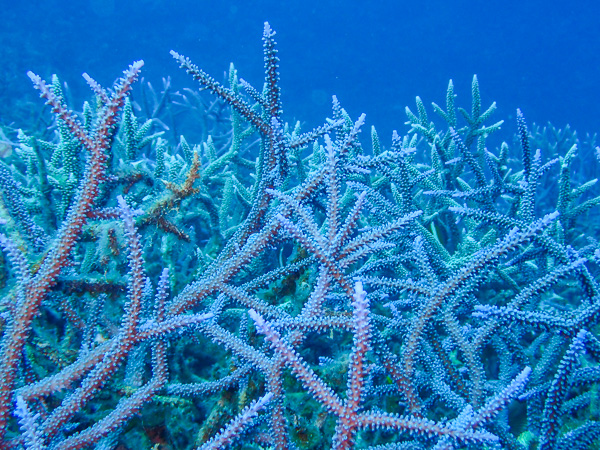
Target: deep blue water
{"x":376,"y":56}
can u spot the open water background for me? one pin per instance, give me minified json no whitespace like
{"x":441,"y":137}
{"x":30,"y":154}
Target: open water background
{"x":376,"y":56}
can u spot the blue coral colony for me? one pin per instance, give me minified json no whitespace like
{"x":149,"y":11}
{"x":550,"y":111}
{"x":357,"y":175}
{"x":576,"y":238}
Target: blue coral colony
{"x":238,"y":282}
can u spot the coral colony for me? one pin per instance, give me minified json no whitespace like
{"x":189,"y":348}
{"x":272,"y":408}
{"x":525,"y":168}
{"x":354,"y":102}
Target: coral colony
{"x":181,"y":273}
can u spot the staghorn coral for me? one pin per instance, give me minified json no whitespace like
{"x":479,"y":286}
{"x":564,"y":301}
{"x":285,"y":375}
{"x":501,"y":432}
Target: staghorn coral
{"x":251,"y":285}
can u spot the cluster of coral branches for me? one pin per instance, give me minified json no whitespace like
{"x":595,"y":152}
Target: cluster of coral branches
{"x":248,"y":285}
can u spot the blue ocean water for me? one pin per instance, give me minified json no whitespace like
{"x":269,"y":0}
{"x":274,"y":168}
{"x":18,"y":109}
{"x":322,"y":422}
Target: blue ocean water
{"x":541,"y":56}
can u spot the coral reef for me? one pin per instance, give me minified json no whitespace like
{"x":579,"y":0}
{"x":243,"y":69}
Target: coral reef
{"x":184,"y":273}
